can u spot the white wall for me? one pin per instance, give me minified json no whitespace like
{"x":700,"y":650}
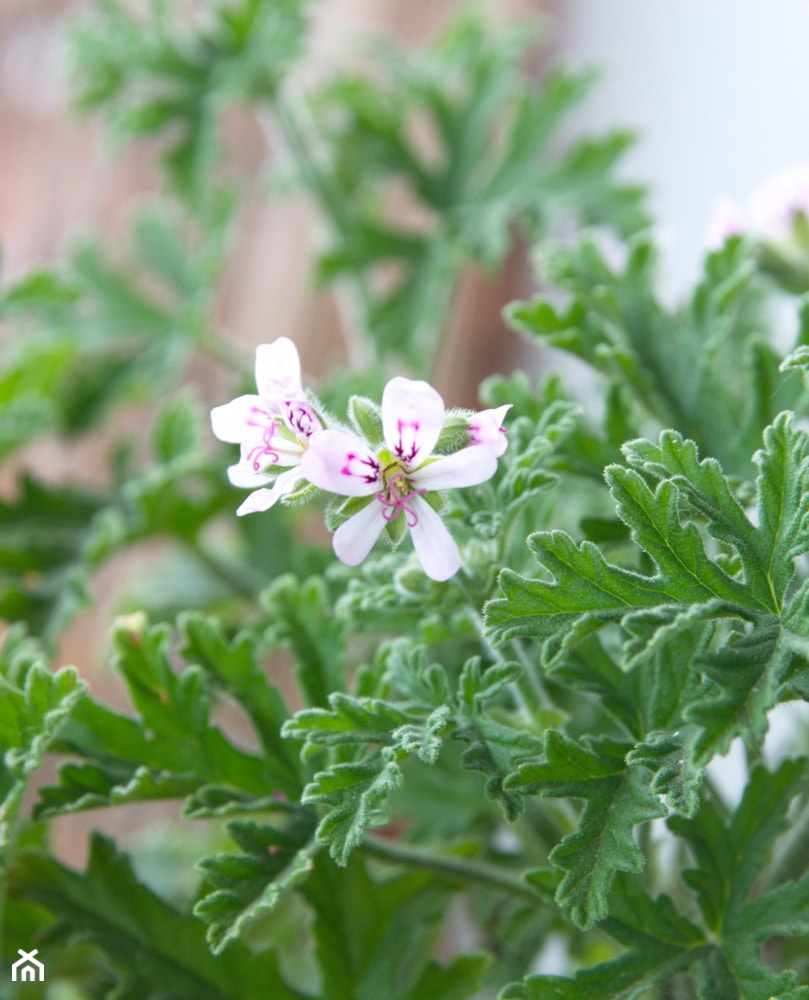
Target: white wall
{"x":717,"y":90}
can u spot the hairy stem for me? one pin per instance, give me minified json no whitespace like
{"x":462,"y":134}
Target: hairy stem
{"x":482,"y":872}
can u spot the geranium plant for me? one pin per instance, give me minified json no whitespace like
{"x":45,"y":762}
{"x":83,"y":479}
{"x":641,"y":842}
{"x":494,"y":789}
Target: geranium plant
{"x":476,"y":739}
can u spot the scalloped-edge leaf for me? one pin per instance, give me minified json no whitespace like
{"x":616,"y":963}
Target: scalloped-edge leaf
{"x":246,"y":887}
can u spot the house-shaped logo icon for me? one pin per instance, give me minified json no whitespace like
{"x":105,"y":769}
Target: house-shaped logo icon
{"x":27,"y":969}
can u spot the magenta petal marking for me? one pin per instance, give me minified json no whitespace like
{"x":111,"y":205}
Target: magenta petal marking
{"x":412,"y":417}
{"x":301,"y":417}
{"x":354,"y":468}
{"x":406,"y":446}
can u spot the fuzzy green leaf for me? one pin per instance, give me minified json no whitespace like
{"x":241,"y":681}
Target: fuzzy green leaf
{"x":155,"y":949}
{"x":234,"y":668}
{"x":169,"y":750}
{"x":355,"y":796}
{"x":374,"y":938}
{"x":730,"y":855}
{"x":660,"y":943}
{"x":617,"y":799}
{"x":244,"y":888}
{"x":34,"y":705}
{"x":300,"y":616}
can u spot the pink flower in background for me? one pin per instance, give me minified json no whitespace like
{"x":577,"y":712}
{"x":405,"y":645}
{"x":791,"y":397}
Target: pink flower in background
{"x":727,"y":220}
{"x":772,"y":208}
{"x":273,"y":428}
{"x":398,"y":477}
{"x":776,"y":202}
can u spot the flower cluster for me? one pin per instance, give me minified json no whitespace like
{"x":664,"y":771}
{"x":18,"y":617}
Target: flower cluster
{"x":285,"y":447}
{"x":774,"y":207}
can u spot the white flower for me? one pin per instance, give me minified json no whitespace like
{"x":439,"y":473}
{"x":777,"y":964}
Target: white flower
{"x":398,"y":477}
{"x":273,"y":428}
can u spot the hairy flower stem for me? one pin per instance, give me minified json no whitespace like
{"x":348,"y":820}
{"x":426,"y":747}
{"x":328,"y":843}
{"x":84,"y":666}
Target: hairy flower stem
{"x":400,"y":853}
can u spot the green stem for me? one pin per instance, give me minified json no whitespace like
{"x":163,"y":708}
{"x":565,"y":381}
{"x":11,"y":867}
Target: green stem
{"x":226,"y":354}
{"x":302,"y":145}
{"x":14,"y":827}
{"x":241,"y":578}
{"x":400,"y":853}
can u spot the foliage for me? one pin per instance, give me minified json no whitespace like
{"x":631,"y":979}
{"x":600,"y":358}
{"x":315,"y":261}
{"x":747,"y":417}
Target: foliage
{"x":386,"y":785}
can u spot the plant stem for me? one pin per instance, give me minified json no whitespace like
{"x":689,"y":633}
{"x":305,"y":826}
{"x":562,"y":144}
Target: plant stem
{"x":239,"y":577}
{"x":300,"y":142}
{"x":400,"y":853}
{"x":226,"y":354}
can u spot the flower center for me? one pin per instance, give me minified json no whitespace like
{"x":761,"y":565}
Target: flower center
{"x":397,"y":495}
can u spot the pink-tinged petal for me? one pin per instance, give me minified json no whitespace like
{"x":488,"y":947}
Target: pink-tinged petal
{"x":412,"y":418}
{"x":341,"y":463}
{"x":486,"y":428}
{"x":300,"y":418}
{"x":231,"y":422}
{"x":278,"y":370}
{"x":263,"y":499}
{"x":355,"y":538}
{"x":776,"y":202}
{"x":467,"y":467}
{"x":435,"y":547}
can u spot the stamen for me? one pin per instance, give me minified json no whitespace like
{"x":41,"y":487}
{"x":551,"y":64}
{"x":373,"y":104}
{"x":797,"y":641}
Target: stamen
{"x":265,"y":447}
{"x":394,"y":501}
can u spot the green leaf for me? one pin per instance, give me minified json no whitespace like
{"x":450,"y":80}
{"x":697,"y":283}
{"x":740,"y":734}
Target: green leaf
{"x":617,"y":799}
{"x":47,"y":537}
{"x":169,"y":750}
{"x":374,"y":938}
{"x":155,"y":949}
{"x":746,"y":668}
{"x":176,"y":430}
{"x":669,"y":756}
{"x":352,"y":721}
{"x":355,"y":796}
{"x":234,"y":668}
{"x":730,"y":855}
{"x":411,"y":676}
{"x":495,"y":164}
{"x":750,"y":671}
{"x":495,"y":750}
{"x":244,"y":888}
{"x":34,"y":705}
{"x":700,"y":369}
{"x":768,"y":549}
{"x":660,"y":942}
{"x":158,"y":74}
{"x":457,"y":980}
{"x":301,"y":616}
